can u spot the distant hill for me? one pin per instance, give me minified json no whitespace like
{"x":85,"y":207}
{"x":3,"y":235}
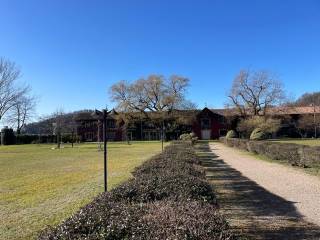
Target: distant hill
{"x":308,"y":99}
{"x":45,"y":125}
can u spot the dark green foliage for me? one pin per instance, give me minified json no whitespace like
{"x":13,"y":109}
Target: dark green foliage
{"x":7,"y":136}
{"x":295,"y":154}
{"x":168,"y":198}
{"x":27,"y":139}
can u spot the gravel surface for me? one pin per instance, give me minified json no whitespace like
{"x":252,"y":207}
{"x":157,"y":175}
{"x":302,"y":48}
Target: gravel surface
{"x":289,"y":183}
{"x":264,"y":200}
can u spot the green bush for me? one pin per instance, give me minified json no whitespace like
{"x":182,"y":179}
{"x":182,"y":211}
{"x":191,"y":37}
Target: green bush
{"x":232,"y":134}
{"x":7,"y":136}
{"x":258,"y":134}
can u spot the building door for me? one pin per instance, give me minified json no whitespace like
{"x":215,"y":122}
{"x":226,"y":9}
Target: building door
{"x":206,"y":134}
{"x":205,"y":128}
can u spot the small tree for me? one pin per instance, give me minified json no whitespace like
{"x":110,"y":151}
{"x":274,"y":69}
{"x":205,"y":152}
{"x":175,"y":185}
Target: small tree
{"x":21,"y":112}
{"x":58,"y":124}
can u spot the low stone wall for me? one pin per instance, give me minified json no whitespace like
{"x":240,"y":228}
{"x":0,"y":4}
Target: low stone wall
{"x":295,"y":154}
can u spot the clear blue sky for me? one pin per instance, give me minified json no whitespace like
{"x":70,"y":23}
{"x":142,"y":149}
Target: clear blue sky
{"x":70,"y":52}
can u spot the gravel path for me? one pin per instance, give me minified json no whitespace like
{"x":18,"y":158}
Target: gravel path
{"x":264,"y":199}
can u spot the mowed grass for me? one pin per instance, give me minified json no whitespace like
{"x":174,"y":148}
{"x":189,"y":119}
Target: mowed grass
{"x":40,"y":186}
{"x":308,"y":142}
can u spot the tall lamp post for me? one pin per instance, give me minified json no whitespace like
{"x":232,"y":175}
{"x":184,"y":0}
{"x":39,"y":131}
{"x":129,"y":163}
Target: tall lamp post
{"x":102,"y":115}
{"x":314,"y":120}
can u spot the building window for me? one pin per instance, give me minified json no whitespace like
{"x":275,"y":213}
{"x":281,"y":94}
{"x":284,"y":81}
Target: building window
{"x":110,"y":123}
{"x":205,"y":123}
{"x":151,"y":135}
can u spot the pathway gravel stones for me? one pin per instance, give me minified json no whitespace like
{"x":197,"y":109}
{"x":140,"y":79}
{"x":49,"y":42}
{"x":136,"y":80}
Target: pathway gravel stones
{"x":261,"y":199}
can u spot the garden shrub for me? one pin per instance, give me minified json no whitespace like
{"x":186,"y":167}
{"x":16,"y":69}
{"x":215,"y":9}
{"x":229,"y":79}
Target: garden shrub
{"x":7,"y":136}
{"x":165,"y":186}
{"x":162,"y":164}
{"x":258,"y":134}
{"x":185,"y":220}
{"x":231,"y":134}
{"x":103,"y":218}
{"x":189,"y":137}
{"x":168,"y":198}
{"x":106,"y":219}
{"x":256,"y":147}
{"x":294,"y":154}
{"x":311,"y":155}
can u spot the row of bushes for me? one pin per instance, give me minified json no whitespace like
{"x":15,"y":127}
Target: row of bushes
{"x":9,"y":138}
{"x":295,"y":154}
{"x":168,"y":198}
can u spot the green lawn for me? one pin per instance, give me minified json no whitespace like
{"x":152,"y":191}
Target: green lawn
{"x":309,"y":142}
{"x":40,"y":186}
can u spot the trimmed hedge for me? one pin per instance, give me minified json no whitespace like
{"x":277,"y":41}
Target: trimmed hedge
{"x":258,"y":134}
{"x":189,"y":137}
{"x":106,"y":219}
{"x":232,"y":134}
{"x":165,"y":186}
{"x":7,"y":136}
{"x":168,"y":198}
{"x":295,"y":154}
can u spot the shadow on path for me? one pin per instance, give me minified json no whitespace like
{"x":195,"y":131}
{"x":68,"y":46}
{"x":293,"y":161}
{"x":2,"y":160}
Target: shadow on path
{"x":250,"y":208}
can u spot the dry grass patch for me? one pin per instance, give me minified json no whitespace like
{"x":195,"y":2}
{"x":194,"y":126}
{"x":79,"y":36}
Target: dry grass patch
{"x":40,"y":186}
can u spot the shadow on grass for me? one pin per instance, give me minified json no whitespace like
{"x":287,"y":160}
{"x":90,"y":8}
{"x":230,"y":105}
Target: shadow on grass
{"x":251,"y":209}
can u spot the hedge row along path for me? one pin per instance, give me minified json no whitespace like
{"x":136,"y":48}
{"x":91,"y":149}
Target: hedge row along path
{"x":263,"y":200}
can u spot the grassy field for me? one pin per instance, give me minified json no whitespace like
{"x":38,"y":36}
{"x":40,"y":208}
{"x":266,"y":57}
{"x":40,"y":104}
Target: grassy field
{"x":309,"y":142}
{"x":40,"y":186}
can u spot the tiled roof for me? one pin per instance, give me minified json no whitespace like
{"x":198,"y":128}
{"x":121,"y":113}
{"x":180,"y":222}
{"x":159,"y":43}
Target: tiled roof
{"x":294,"y":110}
{"x":224,"y":112}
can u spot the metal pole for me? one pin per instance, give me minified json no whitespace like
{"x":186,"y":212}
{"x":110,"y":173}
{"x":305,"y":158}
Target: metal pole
{"x":314,"y":120}
{"x":162,"y":135}
{"x":105,"y":148}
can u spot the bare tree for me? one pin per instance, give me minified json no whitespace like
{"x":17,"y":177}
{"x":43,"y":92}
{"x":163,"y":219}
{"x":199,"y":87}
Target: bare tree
{"x":254,"y":92}
{"x":308,"y":99}
{"x":307,"y":125}
{"x":58,"y":125}
{"x":9,"y":91}
{"x":153,"y":94}
{"x":21,"y":112}
{"x":155,"y":97}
